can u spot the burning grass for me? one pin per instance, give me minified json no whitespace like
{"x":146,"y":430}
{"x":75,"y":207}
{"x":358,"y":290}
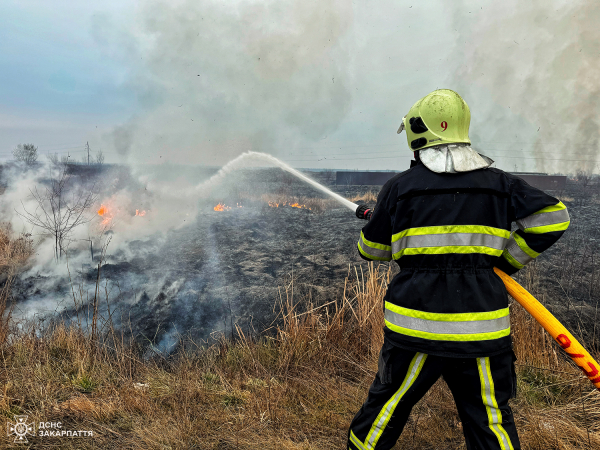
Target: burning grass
{"x":283,"y":200}
{"x":310,"y":203}
{"x":295,"y":388}
{"x":314,"y":204}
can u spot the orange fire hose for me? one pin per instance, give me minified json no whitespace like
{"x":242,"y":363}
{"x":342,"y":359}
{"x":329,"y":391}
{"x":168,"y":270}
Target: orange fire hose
{"x":560,"y":334}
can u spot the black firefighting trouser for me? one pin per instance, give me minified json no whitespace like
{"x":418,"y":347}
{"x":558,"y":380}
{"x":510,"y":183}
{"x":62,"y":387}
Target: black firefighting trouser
{"x":481,"y":388}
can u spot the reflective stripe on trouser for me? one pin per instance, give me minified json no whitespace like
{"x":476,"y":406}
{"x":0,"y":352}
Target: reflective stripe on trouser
{"x":480,"y":326}
{"x":488,"y":396}
{"x":380,"y":421}
{"x":449,"y":239}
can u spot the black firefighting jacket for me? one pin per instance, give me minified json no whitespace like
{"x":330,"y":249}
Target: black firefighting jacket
{"x":447,"y":231}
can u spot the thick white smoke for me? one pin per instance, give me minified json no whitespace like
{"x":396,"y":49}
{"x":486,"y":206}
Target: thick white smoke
{"x":216,"y":79}
{"x":539,"y":61}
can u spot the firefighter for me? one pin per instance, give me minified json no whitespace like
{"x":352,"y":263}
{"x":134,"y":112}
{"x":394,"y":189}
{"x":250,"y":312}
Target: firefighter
{"x":447,"y":222}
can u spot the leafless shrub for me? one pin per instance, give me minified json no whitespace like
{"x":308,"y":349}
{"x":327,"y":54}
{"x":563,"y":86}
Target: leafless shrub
{"x":99,"y":157}
{"x":59,"y":208}
{"x":26,"y":153}
{"x":53,"y":158}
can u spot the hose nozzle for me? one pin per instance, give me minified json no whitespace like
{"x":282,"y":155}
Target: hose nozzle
{"x":364,"y":212}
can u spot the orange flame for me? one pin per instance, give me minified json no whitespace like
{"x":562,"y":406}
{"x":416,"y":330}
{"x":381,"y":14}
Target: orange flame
{"x":222,"y":207}
{"x":292,"y":205}
{"x":140,"y":213}
{"x":106,"y":215}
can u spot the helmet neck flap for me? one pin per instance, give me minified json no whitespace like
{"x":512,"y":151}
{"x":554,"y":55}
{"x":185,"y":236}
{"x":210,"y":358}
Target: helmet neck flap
{"x":453,"y":158}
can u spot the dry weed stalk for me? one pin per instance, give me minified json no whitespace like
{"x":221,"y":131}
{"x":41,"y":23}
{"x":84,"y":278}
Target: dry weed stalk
{"x":367,"y":197}
{"x":13,"y":251}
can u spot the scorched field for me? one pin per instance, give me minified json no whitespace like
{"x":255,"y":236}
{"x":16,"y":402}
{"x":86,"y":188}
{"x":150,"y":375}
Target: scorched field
{"x":240,"y":316}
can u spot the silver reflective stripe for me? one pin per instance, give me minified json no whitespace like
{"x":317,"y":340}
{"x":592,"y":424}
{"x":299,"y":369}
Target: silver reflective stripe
{"x":384,"y":416}
{"x":516,"y":252}
{"x":448,"y":240}
{"x":543,"y":219}
{"x":379,"y":253}
{"x":439,"y":327}
{"x":494,"y":413}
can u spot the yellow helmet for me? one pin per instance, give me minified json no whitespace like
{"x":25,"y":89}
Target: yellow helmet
{"x":441,"y":117}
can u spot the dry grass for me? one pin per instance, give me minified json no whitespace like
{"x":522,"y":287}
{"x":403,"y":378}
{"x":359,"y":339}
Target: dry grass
{"x":13,"y":251}
{"x":297,"y":389}
{"x":367,"y":197}
{"x":316,"y":204}
{"x":312,"y":203}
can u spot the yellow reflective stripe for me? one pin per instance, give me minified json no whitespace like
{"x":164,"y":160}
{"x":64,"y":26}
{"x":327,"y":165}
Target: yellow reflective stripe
{"x":558,"y":207}
{"x":357,"y":442}
{"x":447,"y":317}
{"x":488,"y":396}
{"x":513,"y":262}
{"x":375,"y":244}
{"x":447,"y":249}
{"x":548,"y":228}
{"x":388,"y":409}
{"x":449,"y":337}
{"x":545,"y":221}
{"x":523,"y":246}
{"x":374,"y":258}
{"x":444,"y":229}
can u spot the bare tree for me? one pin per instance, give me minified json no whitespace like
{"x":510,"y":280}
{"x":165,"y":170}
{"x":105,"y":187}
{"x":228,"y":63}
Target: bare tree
{"x":99,"y":157}
{"x":60,"y":207}
{"x":26,"y":153}
{"x":54,"y":159}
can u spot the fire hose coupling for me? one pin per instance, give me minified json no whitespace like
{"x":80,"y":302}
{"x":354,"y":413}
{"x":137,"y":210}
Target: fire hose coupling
{"x":364,"y":212}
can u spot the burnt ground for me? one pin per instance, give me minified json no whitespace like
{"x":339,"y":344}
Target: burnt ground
{"x":232,"y":267}
{"x":226,"y":268}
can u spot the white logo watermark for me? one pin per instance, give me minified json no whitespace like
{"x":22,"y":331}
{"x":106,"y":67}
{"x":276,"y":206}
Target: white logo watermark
{"x":21,"y":429}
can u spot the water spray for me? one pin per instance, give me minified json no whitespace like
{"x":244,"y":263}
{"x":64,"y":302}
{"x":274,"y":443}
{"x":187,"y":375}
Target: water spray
{"x":238,"y":163}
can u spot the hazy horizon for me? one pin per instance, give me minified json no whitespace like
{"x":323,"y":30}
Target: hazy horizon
{"x":318,"y":86}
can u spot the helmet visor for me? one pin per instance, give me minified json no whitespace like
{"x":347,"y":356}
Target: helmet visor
{"x":401,"y":129}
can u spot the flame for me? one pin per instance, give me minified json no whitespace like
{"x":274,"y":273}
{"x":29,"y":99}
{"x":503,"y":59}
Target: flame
{"x":140,"y":213}
{"x":293,"y":205}
{"x":106,"y":215}
{"x":222,"y":207}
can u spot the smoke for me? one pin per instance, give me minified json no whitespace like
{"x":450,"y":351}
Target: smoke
{"x":215,"y":79}
{"x":539,"y":61}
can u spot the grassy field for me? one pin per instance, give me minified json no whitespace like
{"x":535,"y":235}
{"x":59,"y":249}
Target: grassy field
{"x":297,"y":387}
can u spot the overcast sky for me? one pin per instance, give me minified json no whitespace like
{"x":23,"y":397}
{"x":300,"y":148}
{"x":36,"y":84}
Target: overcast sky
{"x":319,"y":84}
